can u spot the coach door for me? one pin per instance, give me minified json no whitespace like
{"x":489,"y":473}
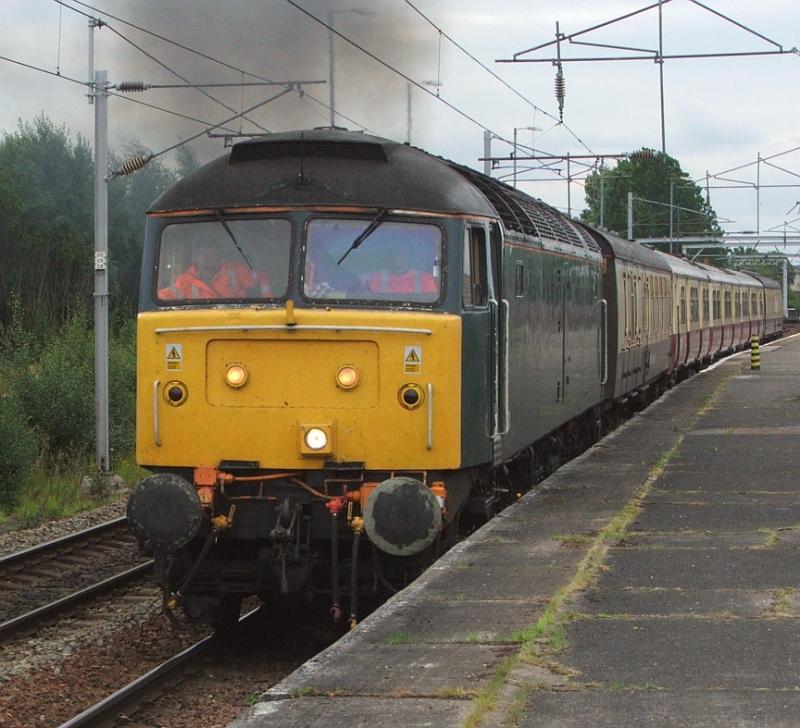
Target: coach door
{"x":498,"y":305}
{"x":486,"y":322}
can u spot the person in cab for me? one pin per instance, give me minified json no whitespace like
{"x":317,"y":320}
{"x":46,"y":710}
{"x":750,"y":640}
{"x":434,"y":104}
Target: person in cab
{"x":210,"y":277}
{"x":400,"y":276}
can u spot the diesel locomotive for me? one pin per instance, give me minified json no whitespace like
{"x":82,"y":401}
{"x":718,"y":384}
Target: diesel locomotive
{"x":346,"y":345}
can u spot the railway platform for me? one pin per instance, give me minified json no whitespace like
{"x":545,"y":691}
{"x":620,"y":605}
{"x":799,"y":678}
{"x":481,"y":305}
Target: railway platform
{"x":653,"y":581}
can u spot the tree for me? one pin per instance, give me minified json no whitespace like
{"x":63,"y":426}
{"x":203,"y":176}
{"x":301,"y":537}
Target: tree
{"x":649,"y":175}
{"x":46,"y":219}
{"x":47,"y":223}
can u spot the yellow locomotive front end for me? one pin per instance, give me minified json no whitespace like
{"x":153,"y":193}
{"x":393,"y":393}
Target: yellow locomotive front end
{"x":285,"y":388}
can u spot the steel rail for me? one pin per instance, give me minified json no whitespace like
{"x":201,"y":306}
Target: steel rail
{"x":14,"y":625}
{"x":103,"y":713}
{"x":61,"y":541}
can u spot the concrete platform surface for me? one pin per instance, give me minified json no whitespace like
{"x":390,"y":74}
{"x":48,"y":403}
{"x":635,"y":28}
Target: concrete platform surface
{"x":653,"y":581}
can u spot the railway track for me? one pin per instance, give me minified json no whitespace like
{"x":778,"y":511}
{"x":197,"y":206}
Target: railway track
{"x":128,"y":698}
{"x":44,"y":580}
{"x":209,"y":682}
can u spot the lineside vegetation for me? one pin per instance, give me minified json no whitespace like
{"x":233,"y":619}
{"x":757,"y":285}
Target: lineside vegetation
{"x":46,"y":337}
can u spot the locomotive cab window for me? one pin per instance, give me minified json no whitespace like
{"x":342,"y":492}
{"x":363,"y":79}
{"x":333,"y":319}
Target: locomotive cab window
{"x":223,"y":259}
{"x":371,"y":260}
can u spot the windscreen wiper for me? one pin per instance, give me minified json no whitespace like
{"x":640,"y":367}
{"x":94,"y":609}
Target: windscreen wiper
{"x":224,"y":223}
{"x":371,"y":228}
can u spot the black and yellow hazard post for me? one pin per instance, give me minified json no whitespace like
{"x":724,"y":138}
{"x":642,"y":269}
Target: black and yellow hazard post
{"x":755,"y":353}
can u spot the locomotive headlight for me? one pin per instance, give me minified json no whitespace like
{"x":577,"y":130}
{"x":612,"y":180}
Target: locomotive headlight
{"x":347,"y":377}
{"x":316,"y":440}
{"x":236,"y":375}
{"x":175,"y":393}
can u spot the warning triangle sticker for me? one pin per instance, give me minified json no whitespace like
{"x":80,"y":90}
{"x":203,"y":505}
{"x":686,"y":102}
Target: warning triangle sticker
{"x":173,"y":354}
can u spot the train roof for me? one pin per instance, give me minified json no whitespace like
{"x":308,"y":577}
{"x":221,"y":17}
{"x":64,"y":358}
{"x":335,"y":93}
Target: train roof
{"x":723,"y":275}
{"x":744,"y":278}
{"x":682,"y":267}
{"x":766,"y":281}
{"x":326,"y":167}
{"x":718,"y":275}
{"x":616,"y":247}
{"x":334,"y":167}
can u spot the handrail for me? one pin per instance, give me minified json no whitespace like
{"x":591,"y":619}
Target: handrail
{"x":604,"y":344}
{"x":506,"y":337}
{"x":430,"y":416}
{"x":291,"y":328}
{"x":156,"y":434}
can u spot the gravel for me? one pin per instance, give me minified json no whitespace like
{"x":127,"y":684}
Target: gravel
{"x":14,"y":537}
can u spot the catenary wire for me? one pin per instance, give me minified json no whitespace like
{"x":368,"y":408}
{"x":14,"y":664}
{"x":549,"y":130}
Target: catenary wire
{"x":61,"y":76}
{"x":495,"y":75}
{"x":200,"y":54}
{"x":178,"y":75}
{"x":396,"y":71}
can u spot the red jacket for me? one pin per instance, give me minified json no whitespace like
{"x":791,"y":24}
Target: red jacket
{"x":232,"y":280}
{"x":412,"y":281}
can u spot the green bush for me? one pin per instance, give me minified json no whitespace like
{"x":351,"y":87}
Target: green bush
{"x":19,"y":448}
{"x":51,"y":378}
{"x":57,"y":395}
{"x":122,"y":390}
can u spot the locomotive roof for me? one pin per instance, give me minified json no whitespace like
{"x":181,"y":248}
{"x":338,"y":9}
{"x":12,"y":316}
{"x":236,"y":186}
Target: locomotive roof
{"x":334,"y":167}
{"x":326,"y":167}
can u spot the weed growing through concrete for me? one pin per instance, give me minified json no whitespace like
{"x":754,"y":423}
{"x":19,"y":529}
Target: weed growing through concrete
{"x":400,"y":638}
{"x":549,"y":631}
{"x":781,"y":606}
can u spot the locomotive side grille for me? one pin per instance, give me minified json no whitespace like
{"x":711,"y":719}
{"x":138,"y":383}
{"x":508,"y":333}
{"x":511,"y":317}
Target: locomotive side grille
{"x":523,"y":214}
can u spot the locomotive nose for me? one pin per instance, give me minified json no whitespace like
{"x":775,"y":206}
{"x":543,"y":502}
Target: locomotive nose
{"x":164,"y":512}
{"x":402,"y":516}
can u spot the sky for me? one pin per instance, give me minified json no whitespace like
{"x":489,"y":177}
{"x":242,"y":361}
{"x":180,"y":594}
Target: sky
{"x":720,"y":114}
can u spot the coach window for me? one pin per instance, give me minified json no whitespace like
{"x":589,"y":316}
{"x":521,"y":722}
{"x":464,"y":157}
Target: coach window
{"x":728,"y":309}
{"x":745,"y":305}
{"x":706,"y":312}
{"x":753,"y":304}
{"x":682,"y":318}
{"x":694,"y":306}
{"x":474,"y":274}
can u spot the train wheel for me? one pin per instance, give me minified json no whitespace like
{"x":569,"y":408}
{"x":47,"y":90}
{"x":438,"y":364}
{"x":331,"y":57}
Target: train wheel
{"x":226,"y":615}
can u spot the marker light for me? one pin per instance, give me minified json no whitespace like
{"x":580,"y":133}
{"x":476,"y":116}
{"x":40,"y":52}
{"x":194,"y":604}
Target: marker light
{"x":411,"y":396}
{"x":347,"y":377}
{"x":236,"y":375}
{"x":316,"y":439}
{"x":175,"y":393}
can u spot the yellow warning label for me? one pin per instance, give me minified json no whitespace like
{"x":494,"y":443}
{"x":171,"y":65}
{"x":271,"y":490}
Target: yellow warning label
{"x":174,"y":354}
{"x":412,"y":360}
